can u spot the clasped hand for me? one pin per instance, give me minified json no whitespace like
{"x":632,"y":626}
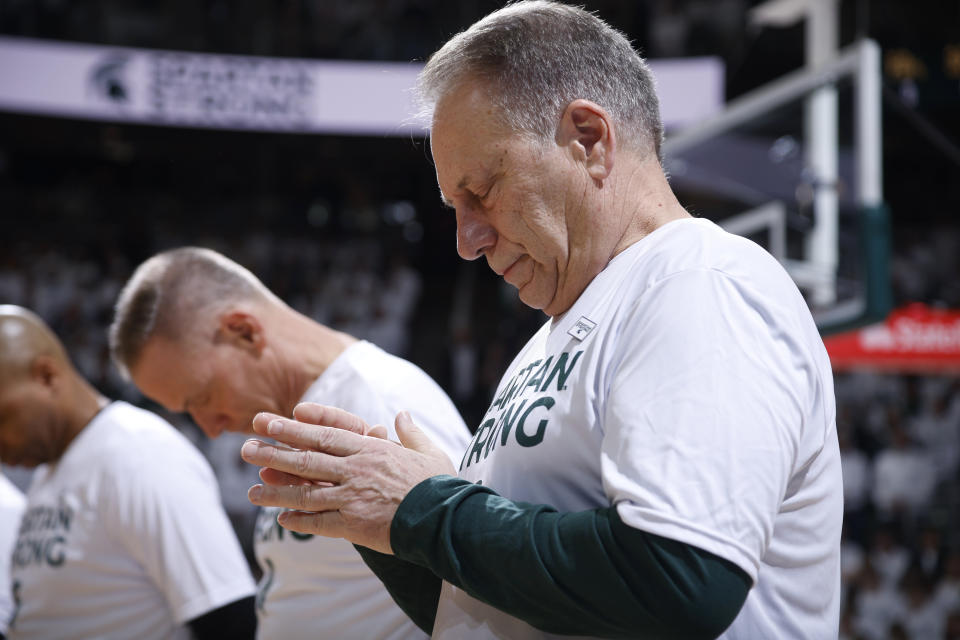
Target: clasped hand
{"x":341,"y":477}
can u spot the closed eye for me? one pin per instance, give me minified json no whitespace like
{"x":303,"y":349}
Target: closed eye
{"x":489,"y":187}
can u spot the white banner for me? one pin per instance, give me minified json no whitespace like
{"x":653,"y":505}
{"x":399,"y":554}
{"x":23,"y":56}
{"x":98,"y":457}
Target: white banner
{"x":265,"y":94}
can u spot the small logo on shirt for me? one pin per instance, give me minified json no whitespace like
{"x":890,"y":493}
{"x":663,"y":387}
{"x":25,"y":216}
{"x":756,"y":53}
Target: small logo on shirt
{"x":582,"y":328}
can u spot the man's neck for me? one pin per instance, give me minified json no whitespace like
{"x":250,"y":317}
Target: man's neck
{"x":649,"y":203}
{"x":85,"y":404}
{"x":632,"y":204}
{"x":309,"y":348}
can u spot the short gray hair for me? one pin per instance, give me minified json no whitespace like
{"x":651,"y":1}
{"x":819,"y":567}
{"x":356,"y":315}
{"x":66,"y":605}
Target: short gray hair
{"x":537,"y":57}
{"x":167,"y":295}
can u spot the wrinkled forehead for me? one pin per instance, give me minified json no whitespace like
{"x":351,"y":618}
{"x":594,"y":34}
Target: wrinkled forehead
{"x":469,"y":127}
{"x":164,"y":372}
{"x":458,"y":138}
{"x":468,"y":107}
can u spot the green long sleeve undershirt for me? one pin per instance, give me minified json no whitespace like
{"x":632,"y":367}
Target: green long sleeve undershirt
{"x":583,"y":573}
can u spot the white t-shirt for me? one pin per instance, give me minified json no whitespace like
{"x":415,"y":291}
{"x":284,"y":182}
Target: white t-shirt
{"x":317,"y":587}
{"x":12,"y":505}
{"x":688,"y":386}
{"x":124,"y":537}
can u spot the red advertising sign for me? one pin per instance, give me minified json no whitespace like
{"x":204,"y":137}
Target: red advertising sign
{"x":913,"y":339}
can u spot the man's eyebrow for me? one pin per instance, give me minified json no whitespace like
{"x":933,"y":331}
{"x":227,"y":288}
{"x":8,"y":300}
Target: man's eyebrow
{"x":464,"y":181}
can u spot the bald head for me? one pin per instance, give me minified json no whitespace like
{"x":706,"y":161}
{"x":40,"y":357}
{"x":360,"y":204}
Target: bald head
{"x":23,"y":337}
{"x":176,"y":293}
{"x":44,"y":402}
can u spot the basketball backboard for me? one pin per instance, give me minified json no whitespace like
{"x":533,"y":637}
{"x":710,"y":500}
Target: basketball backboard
{"x":796,"y":166}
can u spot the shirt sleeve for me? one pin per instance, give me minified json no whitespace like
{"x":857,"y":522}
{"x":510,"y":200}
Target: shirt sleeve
{"x":702,"y":419}
{"x":414,"y":588}
{"x":583,"y":573}
{"x":169,"y":517}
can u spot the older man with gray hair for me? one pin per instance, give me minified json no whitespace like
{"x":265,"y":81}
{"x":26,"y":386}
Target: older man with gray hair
{"x":199,"y":333}
{"x":660,"y":460}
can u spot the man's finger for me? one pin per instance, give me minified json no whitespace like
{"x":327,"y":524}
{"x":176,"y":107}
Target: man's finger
{"x":300,"y":497}
{"x":379,"y":431}
{"x":411,"y":437}
{"x":281,"y":479}
{"x":262,"y":420}
{"x":310,"y":465}
{"x":331,"y":440}
{"x":320,"y":414}
{"x":327,"y":523}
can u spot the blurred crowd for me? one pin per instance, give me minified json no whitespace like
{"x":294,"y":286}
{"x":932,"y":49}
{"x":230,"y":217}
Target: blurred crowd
{"x":351,"y":286}
{"x":352,"y":29}
{"x":900,"y":450}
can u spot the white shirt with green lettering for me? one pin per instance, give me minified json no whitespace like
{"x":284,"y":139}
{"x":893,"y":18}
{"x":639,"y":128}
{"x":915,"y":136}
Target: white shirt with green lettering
{"x":317,"y":587}
{"x":12,"y":505}
{"x":688,"y":386}
{"x":124,"y":536}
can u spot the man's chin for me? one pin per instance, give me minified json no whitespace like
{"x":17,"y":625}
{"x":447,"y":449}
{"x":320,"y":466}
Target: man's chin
{"x":535,"y":299}
{"x":534,"y":303}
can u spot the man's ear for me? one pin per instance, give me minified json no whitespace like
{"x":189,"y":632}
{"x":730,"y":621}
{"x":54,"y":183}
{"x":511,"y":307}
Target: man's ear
{"x":586,"y":129}
{"x":46,"y":371}
{"x":243,"y":330}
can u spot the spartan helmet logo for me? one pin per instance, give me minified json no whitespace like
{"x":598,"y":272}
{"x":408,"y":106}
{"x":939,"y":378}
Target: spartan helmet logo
{"x":107,"y":78}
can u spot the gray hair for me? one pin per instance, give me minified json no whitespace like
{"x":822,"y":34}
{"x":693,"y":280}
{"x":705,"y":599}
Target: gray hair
{"x":169,"y":293}
{"x":537,"y":57}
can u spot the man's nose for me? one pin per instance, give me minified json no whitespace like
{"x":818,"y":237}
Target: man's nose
{"x":474,"y":234}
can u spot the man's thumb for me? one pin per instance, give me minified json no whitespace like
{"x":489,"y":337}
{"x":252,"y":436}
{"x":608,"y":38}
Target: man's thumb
{"x":411,"y":437}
